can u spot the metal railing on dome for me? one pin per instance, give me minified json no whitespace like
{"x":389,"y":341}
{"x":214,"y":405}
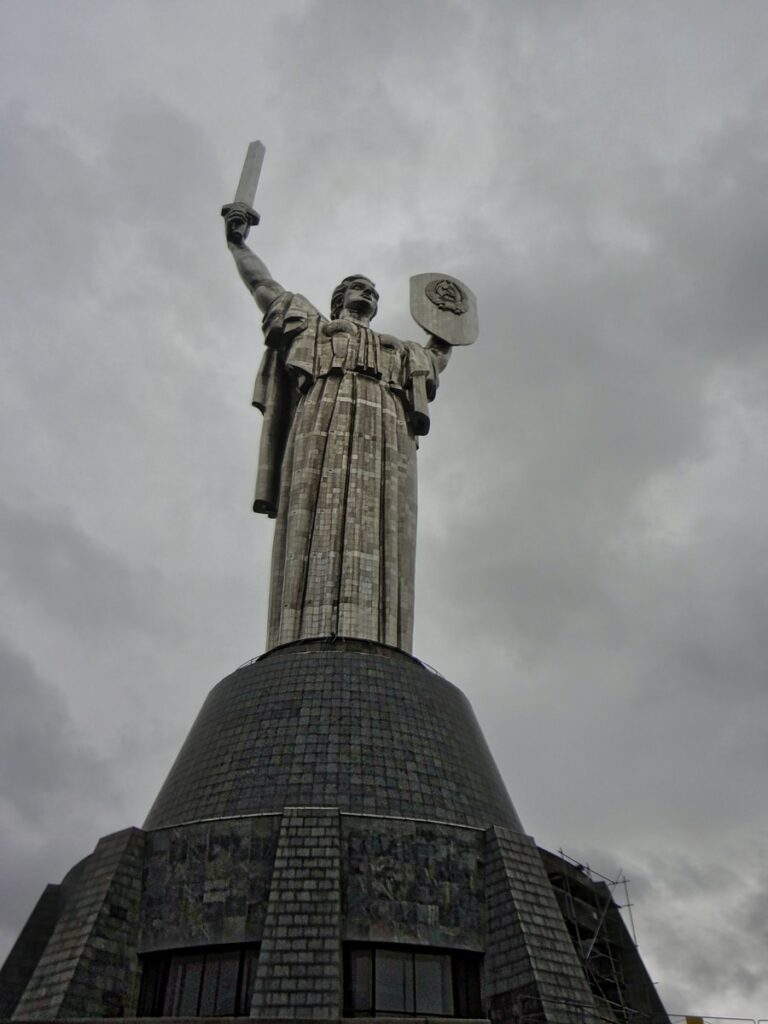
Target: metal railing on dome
{"x":340,"y":641}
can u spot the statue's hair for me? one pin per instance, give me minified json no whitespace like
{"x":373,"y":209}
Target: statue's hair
{"x":337,"y":299}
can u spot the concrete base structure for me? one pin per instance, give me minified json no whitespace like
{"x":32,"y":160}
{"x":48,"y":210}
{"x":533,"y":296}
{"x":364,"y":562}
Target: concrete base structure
{"x":333,"y":840}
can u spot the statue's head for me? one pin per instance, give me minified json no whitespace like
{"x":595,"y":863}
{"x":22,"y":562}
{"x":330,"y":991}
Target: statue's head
{"x":358,"y":295}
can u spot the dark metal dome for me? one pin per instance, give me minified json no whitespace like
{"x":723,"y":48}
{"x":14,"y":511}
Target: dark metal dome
{"x":345,"y":724}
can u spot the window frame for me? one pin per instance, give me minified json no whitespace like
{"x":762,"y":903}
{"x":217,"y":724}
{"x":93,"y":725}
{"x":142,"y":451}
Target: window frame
{"x":465,"y":967}
{"x":157,"y":968}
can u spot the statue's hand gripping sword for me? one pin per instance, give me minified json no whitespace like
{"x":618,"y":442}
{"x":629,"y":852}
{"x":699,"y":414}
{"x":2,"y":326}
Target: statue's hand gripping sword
{"x":246,"y":192}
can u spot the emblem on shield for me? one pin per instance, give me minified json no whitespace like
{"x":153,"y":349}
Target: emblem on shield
{"x":445,"y":307}
{"x":447,"y":295}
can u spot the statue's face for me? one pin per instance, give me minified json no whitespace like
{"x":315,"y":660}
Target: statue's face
{"x":361,"y":298}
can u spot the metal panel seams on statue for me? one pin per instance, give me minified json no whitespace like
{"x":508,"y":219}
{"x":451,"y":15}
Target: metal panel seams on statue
{"x":343,"y":406}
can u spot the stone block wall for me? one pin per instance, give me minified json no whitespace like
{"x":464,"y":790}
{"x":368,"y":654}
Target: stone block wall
{"x":530,"y":965}
{"x":89,"y":967}
{"x":299,"y":886}
{"x":299,"y":966}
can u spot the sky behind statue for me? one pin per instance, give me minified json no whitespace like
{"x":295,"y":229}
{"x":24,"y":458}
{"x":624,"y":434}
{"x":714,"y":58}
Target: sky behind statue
{"x":592,"y":542}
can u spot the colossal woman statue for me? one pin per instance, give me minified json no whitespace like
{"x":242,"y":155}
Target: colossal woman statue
{"x":343,"y":406}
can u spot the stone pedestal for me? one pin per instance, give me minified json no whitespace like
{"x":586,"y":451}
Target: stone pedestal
{"x":333,"y":818}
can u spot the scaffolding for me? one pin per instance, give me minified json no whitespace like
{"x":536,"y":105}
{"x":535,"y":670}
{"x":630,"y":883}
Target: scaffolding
{"x":591,"y":905}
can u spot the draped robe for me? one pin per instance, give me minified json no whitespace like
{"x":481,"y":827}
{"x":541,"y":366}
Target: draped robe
{"x":343,"y":406}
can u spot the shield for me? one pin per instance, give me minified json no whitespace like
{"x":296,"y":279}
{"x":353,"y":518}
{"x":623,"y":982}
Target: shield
{"x":445,"y":307}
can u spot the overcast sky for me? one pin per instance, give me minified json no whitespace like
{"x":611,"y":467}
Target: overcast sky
{"x":593,"y":551}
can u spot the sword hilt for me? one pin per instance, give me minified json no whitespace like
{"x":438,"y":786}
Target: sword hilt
{"x":240,"y":233}
{"x":253,"y":217}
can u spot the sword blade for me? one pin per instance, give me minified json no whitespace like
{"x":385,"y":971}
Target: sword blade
{"x":249,"y":179}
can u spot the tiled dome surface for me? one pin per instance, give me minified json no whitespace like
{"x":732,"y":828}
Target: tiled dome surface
{"x":343,"y":724}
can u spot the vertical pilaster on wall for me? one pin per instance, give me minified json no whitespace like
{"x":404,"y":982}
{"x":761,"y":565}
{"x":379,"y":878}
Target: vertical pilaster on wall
{"x":299,"y":966}
{"x":89,"y":966}
{"x":531,"y":969}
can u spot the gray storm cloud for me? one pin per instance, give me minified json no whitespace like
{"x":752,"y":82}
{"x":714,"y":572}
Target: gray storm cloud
{"x":592,"y":496}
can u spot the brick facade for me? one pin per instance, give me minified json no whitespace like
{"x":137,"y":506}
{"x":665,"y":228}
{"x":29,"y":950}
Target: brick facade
{"x":89,"y":967}
{"x":531,"y":965}
{"x":299,"y":968}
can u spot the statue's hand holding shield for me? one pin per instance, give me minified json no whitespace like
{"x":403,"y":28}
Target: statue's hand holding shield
{"x":445,"y":307}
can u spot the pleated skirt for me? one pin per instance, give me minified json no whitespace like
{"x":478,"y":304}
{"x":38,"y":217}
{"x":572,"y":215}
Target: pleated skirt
{"x":344,"y":550}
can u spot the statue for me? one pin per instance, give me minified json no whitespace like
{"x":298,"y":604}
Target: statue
{"x":343,"y":406}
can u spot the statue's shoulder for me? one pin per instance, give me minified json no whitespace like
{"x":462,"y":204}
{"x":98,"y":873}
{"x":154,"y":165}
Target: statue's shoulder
{"x":299,"y":302}
{"x":289,"y":314}
{"x":291,"y":302}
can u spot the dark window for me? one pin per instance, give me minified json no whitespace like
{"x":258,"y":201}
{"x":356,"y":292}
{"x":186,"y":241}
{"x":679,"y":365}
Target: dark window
{"x":393,"y":981}
{"x":434,"y":983}
{"x":390,"y":980}
{"x":358,"y":980}
{"x":199,"y":983}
